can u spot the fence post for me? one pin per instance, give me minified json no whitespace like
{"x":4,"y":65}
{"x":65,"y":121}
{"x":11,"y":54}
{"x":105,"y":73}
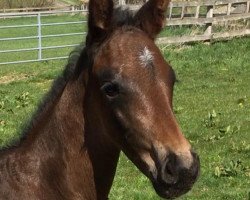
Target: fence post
{"x":197,"y":12}
{"x":182,"y":11}
{"x":39,"y":32}
{"x":122,"y":2}
{"x":248,"y":5}
{"x":229,"y":8}
{"x":209,"y":27}
{"x":170,"y":10}
{"x":229,"y":5}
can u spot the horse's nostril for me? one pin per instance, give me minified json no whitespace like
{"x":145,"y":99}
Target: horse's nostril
{"x":169,"y":173}
{"x":169,"y":170}
{"x":176,"y":174}
{"x":196,"y":164}
{"x":173,"y":169}
{"x":195,"y":155}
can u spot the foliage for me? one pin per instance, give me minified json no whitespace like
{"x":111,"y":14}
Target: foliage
{"x":25,"y":3}
{"x":212,"y":119}
{"x":233,"y":168}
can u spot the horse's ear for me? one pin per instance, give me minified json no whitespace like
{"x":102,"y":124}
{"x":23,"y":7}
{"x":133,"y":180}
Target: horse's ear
{"x":151,"y":17}
{"x":99,"y":19}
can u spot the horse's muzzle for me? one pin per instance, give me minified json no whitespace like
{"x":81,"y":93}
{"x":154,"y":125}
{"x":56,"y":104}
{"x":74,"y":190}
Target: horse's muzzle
{"x":172,"y":179}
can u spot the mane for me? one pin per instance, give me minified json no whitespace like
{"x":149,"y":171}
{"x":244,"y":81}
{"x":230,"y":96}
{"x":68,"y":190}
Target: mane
{"x":78,"y":60}
{"x":75,"y":64}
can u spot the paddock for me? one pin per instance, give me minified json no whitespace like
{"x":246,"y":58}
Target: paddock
{"x":211,"y":103}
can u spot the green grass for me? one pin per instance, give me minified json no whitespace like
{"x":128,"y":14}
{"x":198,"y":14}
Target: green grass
{"x":211,"y":102}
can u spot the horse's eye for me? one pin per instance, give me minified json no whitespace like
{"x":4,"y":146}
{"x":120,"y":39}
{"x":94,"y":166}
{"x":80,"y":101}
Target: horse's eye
{"x":110,"y":89}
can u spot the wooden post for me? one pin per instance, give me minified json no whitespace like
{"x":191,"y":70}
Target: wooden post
{"x":228,"y":13}
{"x":248,"y":5}
{"x":122,"y":2}
{"x":182,"y":12}
{"x":247,"y":11}
{"x":170,"y":10}
{"x":197,"y":13}
{"x":209,"y":27}
{"x":229,"y":8}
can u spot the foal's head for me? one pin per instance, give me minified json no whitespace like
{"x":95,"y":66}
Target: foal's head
{"x":132,"y":85}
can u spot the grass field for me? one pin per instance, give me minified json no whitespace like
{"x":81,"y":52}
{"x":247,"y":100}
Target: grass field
{"x":211,"y":102}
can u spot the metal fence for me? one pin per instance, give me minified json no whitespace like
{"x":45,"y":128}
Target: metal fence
{"x":207,"y":14}
{"x":39,"y":36}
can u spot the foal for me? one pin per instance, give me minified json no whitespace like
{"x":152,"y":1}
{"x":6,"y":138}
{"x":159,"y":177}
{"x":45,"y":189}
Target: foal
{"x":115,"y":94}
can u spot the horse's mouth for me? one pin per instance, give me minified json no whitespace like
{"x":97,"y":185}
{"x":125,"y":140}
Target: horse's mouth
{"x":169,"y":191}
{"x":171,"y":185}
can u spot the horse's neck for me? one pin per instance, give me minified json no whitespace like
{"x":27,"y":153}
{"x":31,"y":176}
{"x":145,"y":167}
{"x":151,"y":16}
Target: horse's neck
{"x":102,"y":152}
{"x":104,"y":157}
{"x":86,"y":142}
{"x":56,"y":144}
{"x":64,"y":144}
{"x":61,"y":124}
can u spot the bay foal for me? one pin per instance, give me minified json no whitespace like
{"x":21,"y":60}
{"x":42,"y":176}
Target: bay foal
{"x":115,"y":94}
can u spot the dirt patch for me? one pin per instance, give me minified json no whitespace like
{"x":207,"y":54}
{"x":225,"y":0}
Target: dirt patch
{"x":45,"y":85}
{"x":13,"y":77}
{"x":61,"y":4}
